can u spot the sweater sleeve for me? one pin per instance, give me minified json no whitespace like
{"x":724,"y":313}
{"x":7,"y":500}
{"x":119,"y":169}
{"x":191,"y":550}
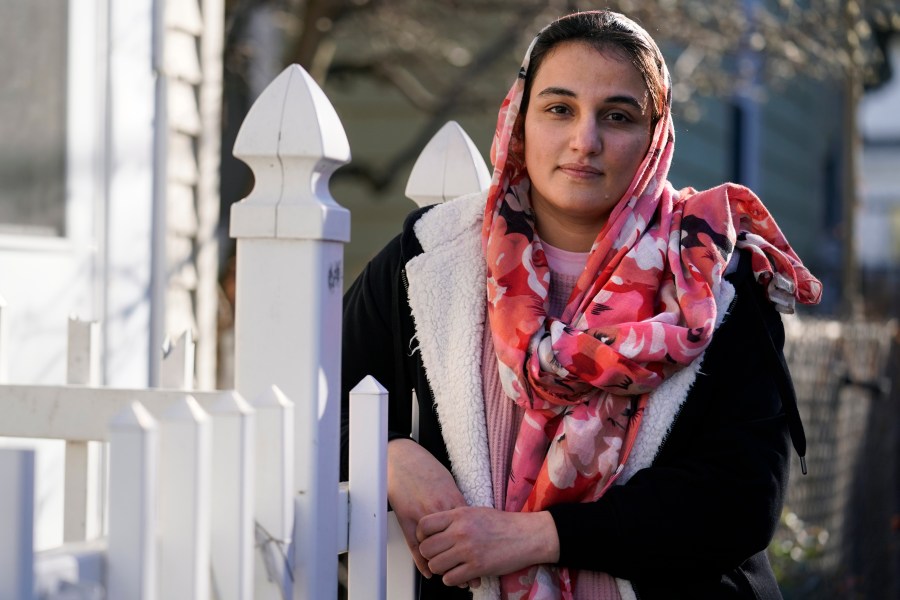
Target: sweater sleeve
{"x":713,"y":496}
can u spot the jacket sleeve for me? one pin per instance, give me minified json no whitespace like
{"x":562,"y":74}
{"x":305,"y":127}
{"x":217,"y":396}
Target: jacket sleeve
{"x":713,"y":496}
{"x":377,"y":336}
{"x":370,"y":340}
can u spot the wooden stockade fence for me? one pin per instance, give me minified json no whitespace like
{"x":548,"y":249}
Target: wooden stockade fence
{"x":231,"y":494}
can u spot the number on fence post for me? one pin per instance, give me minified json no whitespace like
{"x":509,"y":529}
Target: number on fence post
{"x":83,"y":496}
{"x":17,"y":524}
{"x":133,"y":477}
{"x":231,"y":499}
{"x":274,"y":489}
{"x":184,"y":501}
{"x":367,"y":544}
{"x":290,"y":235}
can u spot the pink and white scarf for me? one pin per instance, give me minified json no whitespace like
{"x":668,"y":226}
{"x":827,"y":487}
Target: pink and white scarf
{"x":643,"y":308}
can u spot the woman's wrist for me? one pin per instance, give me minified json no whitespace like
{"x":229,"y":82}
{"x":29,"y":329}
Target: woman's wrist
{"x":544,"y":537}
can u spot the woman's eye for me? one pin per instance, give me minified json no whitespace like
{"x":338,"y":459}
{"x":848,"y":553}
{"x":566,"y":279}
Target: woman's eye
{"x":559,"y":110}
{"x":616,"y":116}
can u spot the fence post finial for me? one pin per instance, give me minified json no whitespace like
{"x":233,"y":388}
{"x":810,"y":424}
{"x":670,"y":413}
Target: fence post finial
{"x":292,"y":140}
{"x":449,"y":166}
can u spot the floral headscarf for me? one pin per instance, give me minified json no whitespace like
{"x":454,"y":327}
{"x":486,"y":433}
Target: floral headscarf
{"x":643,"y":308}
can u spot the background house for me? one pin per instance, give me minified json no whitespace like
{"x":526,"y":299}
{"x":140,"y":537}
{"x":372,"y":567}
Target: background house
{"x":109,"y":114}
{"x":878,"y":226}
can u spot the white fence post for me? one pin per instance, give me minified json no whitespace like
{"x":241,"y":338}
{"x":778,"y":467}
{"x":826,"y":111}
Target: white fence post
{"x":177,"y":368}
{"x":184,"y":501}
{"x":17,"y":524}
{"x":449,"y":166}
{"x":367,"y":545}
{"x":83,"y":495}
{"x":131,"y":554}
{"x":290,"y":235}
{"x":231,"y":498}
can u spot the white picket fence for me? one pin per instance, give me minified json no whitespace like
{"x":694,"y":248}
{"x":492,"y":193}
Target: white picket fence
{"x":179,"y":493}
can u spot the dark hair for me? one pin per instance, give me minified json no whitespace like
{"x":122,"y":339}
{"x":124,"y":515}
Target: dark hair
{"x":605,"y":31}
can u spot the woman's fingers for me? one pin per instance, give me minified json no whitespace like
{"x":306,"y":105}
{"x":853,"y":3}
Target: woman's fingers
{"x":408,"y":526}
{"x":433,"y":523}
{"x":465,"y":544}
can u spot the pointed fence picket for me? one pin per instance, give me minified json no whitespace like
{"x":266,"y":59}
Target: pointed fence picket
{"x":184,"y":500}
{"x":197,"y":481}
{"x":133,"y":473}
{"x":177,"y":368}
{"x":83,"y":507}
{"x":274,"y":491}
{"x":231,"y":507}
{"x":367,"y":558}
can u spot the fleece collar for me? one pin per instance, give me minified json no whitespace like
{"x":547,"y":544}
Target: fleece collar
{"x":447,"y":298}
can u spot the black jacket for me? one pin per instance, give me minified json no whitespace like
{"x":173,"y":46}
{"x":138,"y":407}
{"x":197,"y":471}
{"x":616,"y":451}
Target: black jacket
{"x":695,"y":522}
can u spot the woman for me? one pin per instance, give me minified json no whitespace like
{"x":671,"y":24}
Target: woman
{"x":596,"y":357}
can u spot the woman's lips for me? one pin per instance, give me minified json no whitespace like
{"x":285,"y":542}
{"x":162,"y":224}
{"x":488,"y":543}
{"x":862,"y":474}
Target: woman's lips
{"x":579,"y":170}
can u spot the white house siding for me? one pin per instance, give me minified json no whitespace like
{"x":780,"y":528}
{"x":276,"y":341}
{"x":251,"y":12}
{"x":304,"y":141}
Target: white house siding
{"x":192,"y":67}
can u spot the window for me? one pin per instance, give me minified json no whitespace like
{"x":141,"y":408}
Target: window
{"x":33,"y":72}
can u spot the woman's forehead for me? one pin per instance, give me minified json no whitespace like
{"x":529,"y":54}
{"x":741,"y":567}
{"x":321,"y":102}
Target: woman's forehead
{"x":581,"y":63}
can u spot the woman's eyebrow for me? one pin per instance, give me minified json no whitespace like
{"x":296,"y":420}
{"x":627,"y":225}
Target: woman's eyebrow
{"x":620,"y":99}
{"x":629,"y":100}
{"x":556,"y":91}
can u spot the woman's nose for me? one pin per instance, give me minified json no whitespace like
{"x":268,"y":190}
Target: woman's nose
{"x":586,"y":137}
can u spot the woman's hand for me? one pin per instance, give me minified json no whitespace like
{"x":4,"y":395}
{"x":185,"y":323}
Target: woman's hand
{"x":418,"y":485}
{"x":467,"y":543}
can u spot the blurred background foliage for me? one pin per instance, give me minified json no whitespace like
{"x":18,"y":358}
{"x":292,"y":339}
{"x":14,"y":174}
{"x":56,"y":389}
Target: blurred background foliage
{"x":397,"y":70}
{"x":448,"y":58}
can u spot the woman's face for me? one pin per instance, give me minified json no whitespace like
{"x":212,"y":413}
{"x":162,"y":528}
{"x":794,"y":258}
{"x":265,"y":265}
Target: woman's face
{"x":587,"y":129}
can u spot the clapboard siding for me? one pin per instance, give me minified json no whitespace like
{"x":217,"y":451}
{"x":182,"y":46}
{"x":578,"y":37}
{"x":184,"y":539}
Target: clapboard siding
{"x":193,"y":63}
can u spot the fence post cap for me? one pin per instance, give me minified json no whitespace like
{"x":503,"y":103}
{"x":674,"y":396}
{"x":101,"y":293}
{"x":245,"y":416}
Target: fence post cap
{"x":292,"y":117}
{"x":133,"y":416}
{"x":449,"y":166}
{"x":292,"y":140}
{"x":185,"y":409}
{"x":369,"y":385}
